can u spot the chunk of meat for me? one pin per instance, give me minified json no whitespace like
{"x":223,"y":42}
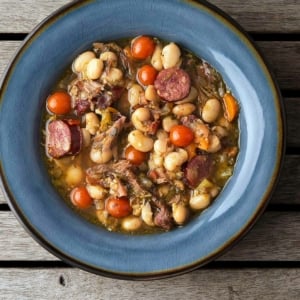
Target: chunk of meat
{"x":105,"y":141}
{"x":172,"y":84}
{"x":121,"y":169}
{"x":82,"y":92}
{"x":107,"y":98}
{"x":198,"y":168}
{"x":63,"y":138}
{"x":163,"y":218}
{"x":81,"y":107}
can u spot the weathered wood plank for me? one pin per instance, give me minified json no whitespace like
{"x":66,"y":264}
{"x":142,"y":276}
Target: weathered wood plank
{"x":225,"y":284}
{"x":277,"y":54}
{"x":293,"y":125}
{"x":284,"y":60}
{"x":277,"y":16}
{"x":274,"y":238}
{"x":264,"y":16}
{"x":23,"y":16}
{"x":287,"y":190}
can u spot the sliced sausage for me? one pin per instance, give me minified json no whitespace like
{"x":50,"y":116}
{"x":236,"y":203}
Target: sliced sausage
{"x":198,"y":168}
{"x":63,"y":138}
{"x":172,"y":84}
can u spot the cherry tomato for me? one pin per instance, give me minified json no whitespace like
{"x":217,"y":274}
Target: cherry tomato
{"x":181,"y":135}
{"x":80,"y":197}
{"x":59,"y":103}
{"x":146,"y":75}
{"x":118,"y":207}
{"x":136,"y":157}
{"x":142,"y":47}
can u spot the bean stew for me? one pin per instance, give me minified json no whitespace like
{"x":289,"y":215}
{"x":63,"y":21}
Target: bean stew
{"x":140,"y":135}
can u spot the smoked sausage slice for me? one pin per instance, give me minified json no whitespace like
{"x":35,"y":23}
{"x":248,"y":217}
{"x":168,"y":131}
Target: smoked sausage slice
{"x":198,"y":168}
{"x":172,"y":84}
{"x":63,"y":138}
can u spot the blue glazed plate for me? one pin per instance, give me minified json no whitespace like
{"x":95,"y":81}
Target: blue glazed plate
{"x":44,"y":55}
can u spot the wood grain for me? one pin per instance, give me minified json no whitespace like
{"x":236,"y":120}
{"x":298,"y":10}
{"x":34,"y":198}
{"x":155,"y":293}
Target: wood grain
{"x":263,"y":16}
{"x":277,"y":16}
{"x":274,"y":238}
{"x":28,"y":284}
{"x":279,"y":55}
{"x":23,"y":16}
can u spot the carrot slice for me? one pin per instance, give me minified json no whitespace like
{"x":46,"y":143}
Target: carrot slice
{"x":231,"y":107}
{"x":203,"y":142}
{"x":191,"y":150}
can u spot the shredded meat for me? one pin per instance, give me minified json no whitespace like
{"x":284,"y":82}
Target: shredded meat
{"x":163,"y":217}
{"x":107,"y":98}
{"x":105,"y":141}
{"x":122,"y":169}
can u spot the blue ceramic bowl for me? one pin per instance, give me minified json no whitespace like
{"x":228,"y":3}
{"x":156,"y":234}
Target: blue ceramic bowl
{"x":36,"y":67}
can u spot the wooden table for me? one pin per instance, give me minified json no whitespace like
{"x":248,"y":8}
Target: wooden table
{"x":264,"y":265}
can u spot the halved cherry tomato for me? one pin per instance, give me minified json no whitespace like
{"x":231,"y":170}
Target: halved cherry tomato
{"x":135,"y":156}
{"x":80,"y":197}
{"x":181,"y":135}
{"x":59,"y":103}
{"x":118,"y":207}
{"x":142,"y":47}
{"x":146,"y":75}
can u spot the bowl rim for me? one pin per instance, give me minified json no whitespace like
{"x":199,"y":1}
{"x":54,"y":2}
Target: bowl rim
{"x":241,"y":32}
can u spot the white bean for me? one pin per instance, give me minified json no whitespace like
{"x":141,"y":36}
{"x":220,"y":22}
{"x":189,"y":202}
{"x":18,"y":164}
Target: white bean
{"x":140,"y":115}
{"x":82,"y":60}
{"x":156,"y":60}
{"x":220,"y":131}
{"x":139,"y":141}
{"x":92,"y":123}
{"x":113,"y":76}
{"x":96,"y":191}
{"x":86,"y":137}
{"x":135,"y":93}
{"x":180,"y":213}
{"x":173,"y":160}
{"x":100,"y":157}
{"x":160,"y":146}
{"x":151,"y":94}
{"x":200,"y":201}
{"x":131,"y":223}
{"x":184,"y":109}
{"x":211,"y":110}
{"x":168,"y":122}
{"x":170,"y":56}
{"x":190,"y":97}
{"x":94,"y":68}
{"x":214,"y":144}
{"x":147,"y":214}
{"x":110,"y":57}
{"x":158,"y":160}
{"x":74,"y":175}
{"x":162,"y":135}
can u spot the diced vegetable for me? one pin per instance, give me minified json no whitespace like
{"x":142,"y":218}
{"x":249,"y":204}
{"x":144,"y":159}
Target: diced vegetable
{"x":231,"y":107}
